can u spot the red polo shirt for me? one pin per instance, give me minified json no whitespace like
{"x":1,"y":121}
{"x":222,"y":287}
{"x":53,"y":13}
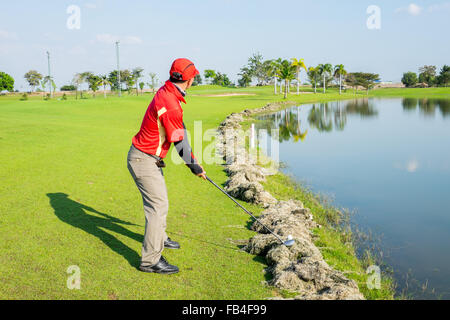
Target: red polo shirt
{"x":163,"y":122}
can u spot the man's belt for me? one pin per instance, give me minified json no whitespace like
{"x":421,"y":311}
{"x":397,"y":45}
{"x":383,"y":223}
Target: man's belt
{"x":159,"y":162}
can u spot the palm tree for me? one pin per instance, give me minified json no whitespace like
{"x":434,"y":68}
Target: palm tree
{"x":325,"y":70}
{"x":298,"y":64}
{"x":84,"y":76}
{"x":104,"y":82}
{"x":340,"y":71}
{"x":273,"y":72}
{"x":51,"y":84}
{"x":77,"y":81}
{"x":286,"y":73}
{"x":137,"y":74}
{"x":154,"y":81}
{"x":313,"y":73}
{"x":43,"y":82}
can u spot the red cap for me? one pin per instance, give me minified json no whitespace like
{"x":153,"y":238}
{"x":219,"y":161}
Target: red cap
{"x":183,"y":69}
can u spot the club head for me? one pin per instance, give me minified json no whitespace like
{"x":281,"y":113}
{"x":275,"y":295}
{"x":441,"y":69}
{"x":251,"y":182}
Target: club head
{"x":289,"y":242}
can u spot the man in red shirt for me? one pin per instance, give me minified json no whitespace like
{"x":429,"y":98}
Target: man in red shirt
{"x":162,"y":125}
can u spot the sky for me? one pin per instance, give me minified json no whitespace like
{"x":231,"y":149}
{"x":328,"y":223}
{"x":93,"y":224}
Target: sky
{"x":220,"y":35}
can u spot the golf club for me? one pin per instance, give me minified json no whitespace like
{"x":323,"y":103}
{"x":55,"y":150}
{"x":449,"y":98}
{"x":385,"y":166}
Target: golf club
{"x":288,"y":243}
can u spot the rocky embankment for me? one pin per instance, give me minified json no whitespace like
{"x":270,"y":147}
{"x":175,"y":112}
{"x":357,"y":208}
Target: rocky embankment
{"x":300,"y":268}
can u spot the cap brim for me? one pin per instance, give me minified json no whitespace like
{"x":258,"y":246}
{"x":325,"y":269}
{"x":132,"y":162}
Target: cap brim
{"x":196,"y":72}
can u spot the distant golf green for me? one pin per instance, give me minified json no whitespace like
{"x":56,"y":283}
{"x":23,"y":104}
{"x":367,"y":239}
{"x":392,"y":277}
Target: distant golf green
{"x":68,"y":199}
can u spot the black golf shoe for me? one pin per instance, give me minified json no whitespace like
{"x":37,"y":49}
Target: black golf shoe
{"x":162,"y":267}
{"x":169,"y":244}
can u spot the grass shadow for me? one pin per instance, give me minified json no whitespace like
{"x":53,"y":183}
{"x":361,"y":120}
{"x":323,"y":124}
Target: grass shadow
{"x":74,"y":214}
{"x":268,"y":276}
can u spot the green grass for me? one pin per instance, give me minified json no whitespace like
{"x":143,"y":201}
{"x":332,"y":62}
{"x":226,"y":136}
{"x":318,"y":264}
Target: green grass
{"x":79,"y":148}
{"x":412,"y":92}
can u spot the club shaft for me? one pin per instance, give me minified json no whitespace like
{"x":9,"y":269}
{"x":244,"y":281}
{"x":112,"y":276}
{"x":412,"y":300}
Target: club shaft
{"x":248,"y":212}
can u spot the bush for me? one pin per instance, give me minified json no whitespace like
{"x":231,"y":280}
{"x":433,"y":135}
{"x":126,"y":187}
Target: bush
{"x":24,"y":97}
{"x":444,"y":76}
{"x":197,"y":80}
{"x":427,"y":75}
{"x":68,"y":88}
{"x":64,"y":97}
{"x":409,"y":79}
{"x":6,"y":82}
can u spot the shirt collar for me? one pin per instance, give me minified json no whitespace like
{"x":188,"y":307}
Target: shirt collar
{"x":172,"y":87}
{"x":183,"y":93}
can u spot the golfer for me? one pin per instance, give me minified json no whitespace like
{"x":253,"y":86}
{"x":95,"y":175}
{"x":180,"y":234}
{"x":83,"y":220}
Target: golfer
{"x":162,"y":125}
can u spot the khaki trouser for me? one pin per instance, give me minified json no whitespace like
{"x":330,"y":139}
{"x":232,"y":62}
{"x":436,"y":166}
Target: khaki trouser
{"x":150,"y":181}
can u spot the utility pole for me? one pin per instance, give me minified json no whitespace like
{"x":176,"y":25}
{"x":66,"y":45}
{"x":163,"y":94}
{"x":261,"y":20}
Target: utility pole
{"x":118,"y":69}
{"x":49,"y":75}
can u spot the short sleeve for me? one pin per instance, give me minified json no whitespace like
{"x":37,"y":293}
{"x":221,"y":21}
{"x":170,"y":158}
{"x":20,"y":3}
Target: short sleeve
{"x":172,"y":122}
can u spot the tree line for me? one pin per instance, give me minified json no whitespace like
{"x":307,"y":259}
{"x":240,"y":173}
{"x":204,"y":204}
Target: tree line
{"x":283,"y":72}
{"x":130,"y":80}
{"x":428,"y":77}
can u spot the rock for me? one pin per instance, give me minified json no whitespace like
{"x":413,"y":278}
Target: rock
{"x":297,"y":220}
{"x":252,"y":192}
{"x":279,"y":254}
{"x":261,"y":244}
{"x":289,"y":281}
{"x":252,"y":173}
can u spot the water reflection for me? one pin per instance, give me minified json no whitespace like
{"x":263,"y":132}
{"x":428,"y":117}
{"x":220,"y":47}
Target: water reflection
{"x":426,"y":106}
{"x":325,"y":117}
{"x":332,"y":116}
{"x":386,"y":159}
{"x":287,"y":121}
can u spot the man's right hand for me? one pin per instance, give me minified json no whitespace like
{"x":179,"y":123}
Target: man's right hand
{"x":203,"y":174}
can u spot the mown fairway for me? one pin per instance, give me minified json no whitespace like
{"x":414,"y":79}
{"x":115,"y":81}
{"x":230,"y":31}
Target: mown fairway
{"x":79,"y":148}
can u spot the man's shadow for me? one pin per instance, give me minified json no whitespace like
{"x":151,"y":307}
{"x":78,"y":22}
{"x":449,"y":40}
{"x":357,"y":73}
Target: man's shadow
{"x":74,"y":213}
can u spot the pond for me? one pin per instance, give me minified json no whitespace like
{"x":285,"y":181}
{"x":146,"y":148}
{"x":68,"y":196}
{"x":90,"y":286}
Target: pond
{"x":388,"y":160}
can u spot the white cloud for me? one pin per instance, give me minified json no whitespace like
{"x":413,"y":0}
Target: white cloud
{"x":439,"y":7}
{"x":132,"y":40}
{"x":412,"y":9}
{"x":110,"y":39}
{"x":415,"y":10}
{"x":91,"y":5}
{"x":6,"y":35}
{"x":411,"y":165}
